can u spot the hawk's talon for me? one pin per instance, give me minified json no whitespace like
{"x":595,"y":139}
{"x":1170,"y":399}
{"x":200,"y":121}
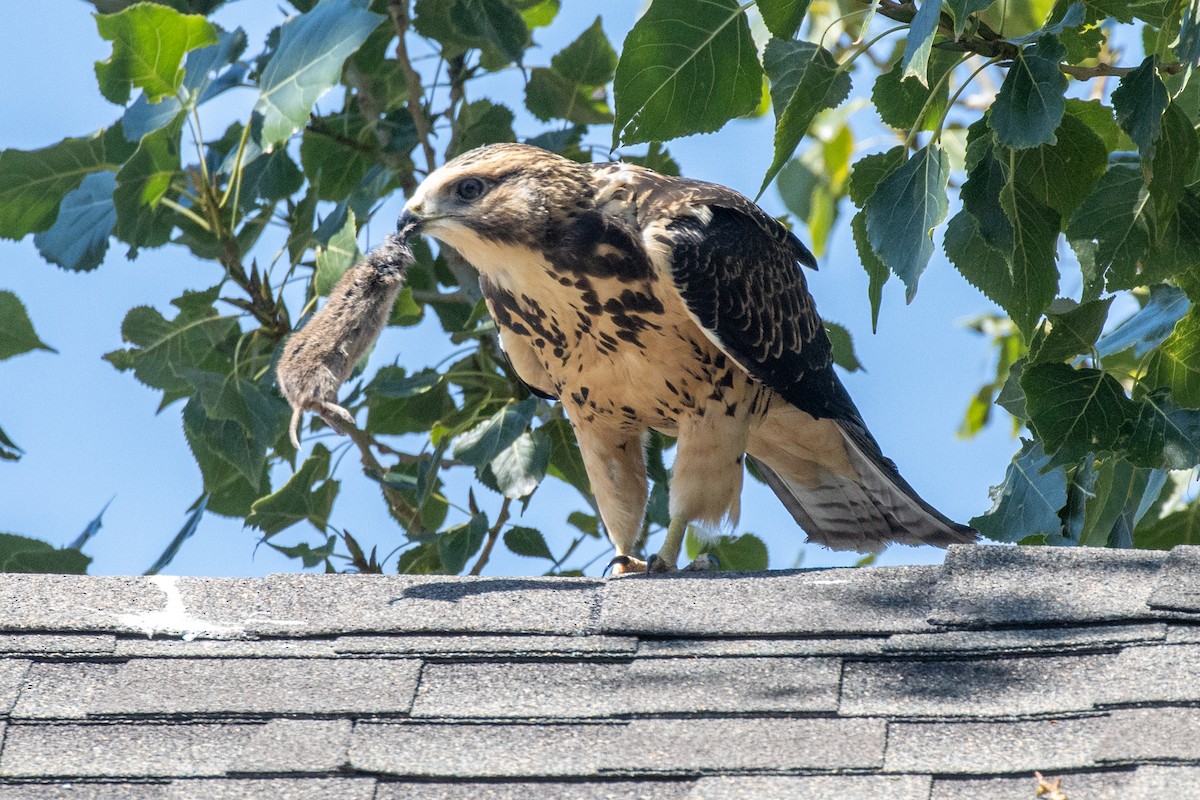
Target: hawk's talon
{"x":705,"y":562}
{"x":624,"y":565}
{"x":658,"y":565}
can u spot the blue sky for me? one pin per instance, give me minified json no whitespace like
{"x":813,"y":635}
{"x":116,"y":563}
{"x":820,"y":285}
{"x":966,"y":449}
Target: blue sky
{"x":92,"y":434}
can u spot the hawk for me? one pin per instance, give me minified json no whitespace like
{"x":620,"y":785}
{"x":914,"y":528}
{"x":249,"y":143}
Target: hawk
{"x":646,"y":302}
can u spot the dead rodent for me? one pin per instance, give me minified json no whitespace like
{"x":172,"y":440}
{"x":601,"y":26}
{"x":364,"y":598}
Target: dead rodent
{"x":319,"y":357}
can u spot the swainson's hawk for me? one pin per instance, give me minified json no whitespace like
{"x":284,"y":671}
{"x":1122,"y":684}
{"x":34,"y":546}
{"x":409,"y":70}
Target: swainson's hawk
{"x":641,"y":302}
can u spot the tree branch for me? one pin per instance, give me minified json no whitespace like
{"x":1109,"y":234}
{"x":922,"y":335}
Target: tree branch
{"x":493,"y":535}
{"x":398,"y":11}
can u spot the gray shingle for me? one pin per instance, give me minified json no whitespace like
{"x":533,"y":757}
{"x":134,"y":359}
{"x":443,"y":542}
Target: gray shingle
{"x":12,"y":678}
{"x":75,"y":790}
{"x":1162,"y":674}
{"x":141,"y":647}
{"x":591,"y":790}
{"x":1082,"y":785}
{"x":1027,"y":640}
{"x":173,"y":750}
{"x":72,"y":602}
{"x":653,"y":686}
{"x":509,"y":646}
{"x":978,"y":748}
{"x":50,"y":645}
{"x":807,"y":646}
{"x":1178,"y":586}
{"x":988,"y":585}
{"x":1155,"y":782}
{"x":342,"y":788}
{"x":1151,"y":734}
{"x":983,"y":687}
{"x":480,"y":751}
{"x":815,"y":787}
{"x":771,"y":603}
{"x":697,"y":746}
{"x":172,"y":686}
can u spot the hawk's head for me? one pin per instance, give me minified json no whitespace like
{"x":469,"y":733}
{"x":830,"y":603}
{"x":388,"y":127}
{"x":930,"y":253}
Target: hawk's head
{"x":513,"y":194}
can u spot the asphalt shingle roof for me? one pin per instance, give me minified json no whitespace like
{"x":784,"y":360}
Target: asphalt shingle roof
{"x":907,"y":683}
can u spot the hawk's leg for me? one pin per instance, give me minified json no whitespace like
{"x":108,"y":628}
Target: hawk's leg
{"x":616,"y":466}
{"x":668,"y":555}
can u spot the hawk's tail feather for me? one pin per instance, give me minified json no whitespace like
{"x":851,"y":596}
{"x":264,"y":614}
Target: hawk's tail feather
{"x":865,"y":514}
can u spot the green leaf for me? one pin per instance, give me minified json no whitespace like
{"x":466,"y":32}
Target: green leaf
{"x":573,"y":87}
{"x":34,"y":182}
{"x":16,"y":331}
{"x":308,"y":63}
{"x":587,"y":523}
{"x":334,"y":258}
{"x":868,"y":171}
{"x":1062,"y":175}
{"x":804,"y":81}
{"x":843,"y":347}
{"x":335,"y":153}
{"x":408,"y":413}
{"x":520,"y":467}
{"x":1012,"y":397}
{"x":919,"y":43}
{"x":225,"y":457}
{"x":537,"y":13}
{"x":491,"y":22}
{"x":961,"y":9}
{"x":483,"y":122}
{"x":1034,"y":250}
{"x":1163,"y":434}
{"x":685,"y":68}
{"x":309,"y":556}
{"x":1070,"y":333}
{"x":149,"y":43}
{"x":78,"y":239}
{"x":566,"y":462}
{"x":657,"y":158}
{"x":485,"y":441}
{"x":141,"y":183}
{"x":22,"y":554}
{"x":8,"y":448}
{"x":783,"y":17}
{"x":527,"y":542}
{"x":197,"y":338}
{"x":272,"y":176}
{"x":902,"y":213}
{"x":1028,"y":502}
{"x":1176,"y":363}
{"x":1147,"y":328}
{"x":877,"y":271}
{"x":745,"y":553}
{"x":189,"y":528}
{"x":1181,"y":527}
{"x":259,"y":413}
{"x":1030,"y":104}
{"x":1074,"y":411}
{"x":900,"y":101}
{"x":299,"y":498}
{"x":1115,"y":216}
{"x":1174,"y":160}
{"x":457,"y":545}
{"x":1100,"y":120}
{"x":1139,"y":101}
{"x":1112,"y":512}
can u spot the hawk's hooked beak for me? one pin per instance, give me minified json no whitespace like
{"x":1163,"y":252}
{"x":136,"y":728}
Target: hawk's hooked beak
{"x":409,"y":223}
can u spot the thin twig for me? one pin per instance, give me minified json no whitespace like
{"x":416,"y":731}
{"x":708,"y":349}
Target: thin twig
{"x":398,"y":10}
{"x":493,"y":535}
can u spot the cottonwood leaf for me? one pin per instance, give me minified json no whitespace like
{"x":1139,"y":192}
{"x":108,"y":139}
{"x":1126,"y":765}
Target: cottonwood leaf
{"x":1181,"y":527}
{"x":962,"y":9}
{"x":903,"y":212}
{"x":520,"y":467}
{"x":34,"y":182}
{"x":186,"y":532}
{"x":149,"y":43}
{"x":920,"y":41}
{"x":899,"y":101}
{"x":744,"y":553}
{"x":1163,"y":434}
{"x":877,"y":271}
{"x":234,"y":472}
{"x":1030,"y":104}
{"x":1174,"y":161}
{"x":685,"y":68}
{"x":9,"y":451}
{"x":783,"y":17}
{"x":78,"y":239}
{"x":298,"y":499}
{"x":1070,"y":333}
{"x":1027,"y":503}
{"x":26,"y":555}
{"x":308,"y":63}
{"x":1176,"y":363}
{"x":843,"y":347}
{"x":1149,"y":326}
{"x":1074,"y":411}
{"x":1063,"y":174}
{"x":142,"y":183}
{"x":482,"y":443}
{"x":1034,"y":250}
{"x":805,"y":80}
{"x":1139,"y":102}
{"x":16,"y":331}
{"x":566,"y":462}
{"x":1115,"y":216}
{"x":457,"y":545}
{"x":335,"y":257}
{"x":528,"y":542}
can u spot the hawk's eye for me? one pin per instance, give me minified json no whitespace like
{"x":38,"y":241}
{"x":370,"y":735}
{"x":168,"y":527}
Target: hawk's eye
{"x":470,"y":189}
